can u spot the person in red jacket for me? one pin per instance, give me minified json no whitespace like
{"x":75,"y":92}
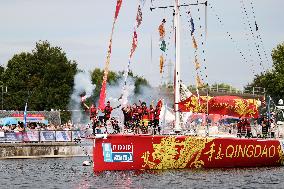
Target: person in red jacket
{"x":145,"y":118}
{"x":107,"y":111}
{"x":93,"y":112}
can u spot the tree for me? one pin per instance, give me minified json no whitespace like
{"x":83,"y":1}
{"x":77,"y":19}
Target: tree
{"x":2,"y":69}
{"x":273,"y":80}
{"x":43,"y":77}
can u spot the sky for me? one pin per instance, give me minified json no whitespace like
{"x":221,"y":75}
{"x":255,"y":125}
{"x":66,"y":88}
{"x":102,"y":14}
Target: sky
{"x":82,"y":29}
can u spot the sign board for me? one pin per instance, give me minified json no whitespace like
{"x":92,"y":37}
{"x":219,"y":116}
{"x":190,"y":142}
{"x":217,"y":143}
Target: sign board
{"x":117,"y":152}
{"x":63,"y":136}
{"x":47,"y":135}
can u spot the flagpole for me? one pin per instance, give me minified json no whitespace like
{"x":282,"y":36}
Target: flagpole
{"x":177,"y":65}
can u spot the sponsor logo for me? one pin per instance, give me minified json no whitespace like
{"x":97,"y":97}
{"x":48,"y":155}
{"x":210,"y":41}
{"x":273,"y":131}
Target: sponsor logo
{"x":117,"y":152}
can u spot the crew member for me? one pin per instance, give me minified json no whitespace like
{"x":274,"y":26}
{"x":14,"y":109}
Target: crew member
{"x":107,"y":111}
{"x":151,"y":118}
{"x":145,"y":118}
{"x":157,"y":118}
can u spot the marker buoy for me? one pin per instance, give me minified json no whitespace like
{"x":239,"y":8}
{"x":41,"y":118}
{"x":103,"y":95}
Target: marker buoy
{"x":86,"y":163}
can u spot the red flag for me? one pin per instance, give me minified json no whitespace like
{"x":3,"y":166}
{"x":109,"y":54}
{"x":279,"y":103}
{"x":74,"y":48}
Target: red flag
{"x":101,"y":105}
{"x":118,"y":5}
{"x":134,"y":43}
{"x":139,"y":16}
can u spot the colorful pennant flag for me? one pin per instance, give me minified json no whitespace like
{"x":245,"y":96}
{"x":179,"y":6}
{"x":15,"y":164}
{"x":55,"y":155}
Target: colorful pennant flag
{"x":134,"y":43}
{"x":139,"y":16}
{"x":161,"y":63}
{"x":197,"y":65}
{"x":162,"y":31}
{"x":163,"y":46}
{"x":101,"y":105}
{"x":194,"y":42}
{"x":118,"y":5}
{"x":192,"y":26}
{"x":199,"y":83}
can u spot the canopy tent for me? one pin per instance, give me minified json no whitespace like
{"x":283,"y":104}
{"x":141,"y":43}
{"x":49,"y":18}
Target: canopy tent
{"x":14,"y":120}
{"x":8,"y":121}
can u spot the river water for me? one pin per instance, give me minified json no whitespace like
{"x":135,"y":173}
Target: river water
{"x":69,"y":173}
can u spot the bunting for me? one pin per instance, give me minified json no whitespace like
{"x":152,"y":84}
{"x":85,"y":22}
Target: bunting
{"x":192,"y":26}
{"x":199,"y":82}
{"x":118,"y":5}
{"x":161,"y":63}
{"x":139,"y":16}
{"x":134,"y":43}
{"x":101,"y":105}
{"x":134,"y":46}
{"x":197,"y":65}
{"x":194,"y":42}
{"x":163,"y":46}
{"x":162,"y":31}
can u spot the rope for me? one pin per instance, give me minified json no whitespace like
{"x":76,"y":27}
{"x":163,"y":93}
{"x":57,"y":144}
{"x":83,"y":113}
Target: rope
{"x":229,"y":35}
{"x":253,"y":34}
{"x":257,"y":31}
{"x":247,"y":38}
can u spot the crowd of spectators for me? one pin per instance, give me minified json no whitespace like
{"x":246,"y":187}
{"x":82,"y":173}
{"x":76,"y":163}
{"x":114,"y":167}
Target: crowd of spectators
{"x":38,"y":127}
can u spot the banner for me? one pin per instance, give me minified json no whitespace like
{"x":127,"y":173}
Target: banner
{"x":47,"y":136}
{"x":31,"y":136}
{"x":223,"y":105}
{"x":14,"y":137}
{"x":77,"y":135}
{"x":133,"y":152}
{"x":63,"y":136}
{"x":101,"y":105}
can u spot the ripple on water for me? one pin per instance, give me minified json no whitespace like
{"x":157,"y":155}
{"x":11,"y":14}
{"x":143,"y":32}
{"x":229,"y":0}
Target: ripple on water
{"x":69,"y":173}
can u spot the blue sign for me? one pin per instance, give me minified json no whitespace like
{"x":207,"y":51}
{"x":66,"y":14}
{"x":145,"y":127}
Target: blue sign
{"x":122,"y":157}
{"x":47,"y":135}
{"x":14,"y":137}
{"x":117,"y":152}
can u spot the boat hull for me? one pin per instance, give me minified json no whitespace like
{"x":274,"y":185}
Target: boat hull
{"x":138,"y":152}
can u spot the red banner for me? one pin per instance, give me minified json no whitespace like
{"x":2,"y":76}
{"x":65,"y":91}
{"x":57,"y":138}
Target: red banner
{"x":117,"y":9}
{"x":134,"y":152}
{"x":223,"y":105}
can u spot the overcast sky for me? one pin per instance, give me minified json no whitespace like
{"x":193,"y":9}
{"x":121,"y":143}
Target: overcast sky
{"x":82,"y":29}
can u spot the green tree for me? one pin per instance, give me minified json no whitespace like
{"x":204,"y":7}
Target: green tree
{"x":2,"y":69}
{"x":43,"y":77}
{"x":273,"y":79}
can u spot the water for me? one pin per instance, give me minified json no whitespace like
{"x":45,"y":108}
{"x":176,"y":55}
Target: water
{"x":69,"y":173}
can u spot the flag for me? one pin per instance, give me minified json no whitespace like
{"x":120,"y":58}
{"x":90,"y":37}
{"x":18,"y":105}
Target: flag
{"x":162,"y":31}
{"x":25,"y":115}
{"x":194,"y":42}
{"x":161,"y":63}
{"x":101,"y":105}
{"x":139,"y":16}
{"x":256,"y":26}
{"x":197,"y":65}
{"x":192,"y":26}
{"x":134,"y":43}
{"x":118,"y":5}
{"x":163,"y":46}
{"x":199,"y":83}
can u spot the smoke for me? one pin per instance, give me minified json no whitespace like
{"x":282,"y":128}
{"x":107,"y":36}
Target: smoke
{"x":82,"y":84}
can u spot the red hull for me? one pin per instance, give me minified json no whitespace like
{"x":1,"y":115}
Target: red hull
{"x":136,"y":152}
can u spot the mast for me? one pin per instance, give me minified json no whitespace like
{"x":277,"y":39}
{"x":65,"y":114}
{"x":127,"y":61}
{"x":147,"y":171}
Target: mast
{"x":177,"y":65}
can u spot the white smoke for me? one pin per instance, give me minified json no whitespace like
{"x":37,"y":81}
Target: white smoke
{"x":82,"y":84}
